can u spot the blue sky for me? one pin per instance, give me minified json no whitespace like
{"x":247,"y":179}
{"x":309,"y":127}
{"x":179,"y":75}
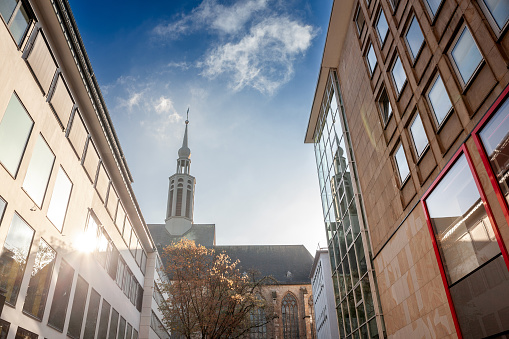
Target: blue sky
{"x":247,"y":70}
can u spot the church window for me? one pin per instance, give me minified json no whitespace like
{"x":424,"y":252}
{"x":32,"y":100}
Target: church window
{"x":289,"y":311}
{"x":170,"y":203}
{"x":259,"y":323}
{"x":188,"y":204}
{"x":178,"y":206}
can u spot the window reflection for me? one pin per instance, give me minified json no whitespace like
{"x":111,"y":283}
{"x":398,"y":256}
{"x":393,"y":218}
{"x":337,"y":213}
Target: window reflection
{"x":59,"y":200}
{"x":371,"y":57}
{"x":401,"y":163}
{"x":499,"y":9}
{"x":418,"y":135}
{"x":382,"y":27}
{"x":39,"y":171}
{"x":433,"y":6}
{"x":439,"y":99}
{"x":398,"y":75}
{"x":414,"y":38}
{"x":466,"y":55}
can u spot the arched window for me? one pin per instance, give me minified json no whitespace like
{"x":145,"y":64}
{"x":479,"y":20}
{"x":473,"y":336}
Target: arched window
{"x":290,"y":315}
{"x":188,"y":203}
{"x":259,"y":323}
{"x":178,"y":206}
{"x":170,"y":203}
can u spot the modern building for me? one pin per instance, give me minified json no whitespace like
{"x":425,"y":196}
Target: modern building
{"x":77,"y":259}
{"x":413,"y":93}
{"x":326,"y":321}
{"x":287,"y":265}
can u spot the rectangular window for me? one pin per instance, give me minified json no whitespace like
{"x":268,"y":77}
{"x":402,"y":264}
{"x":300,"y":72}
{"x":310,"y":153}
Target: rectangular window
{"x":139,"y":249}
{"x":359,"y":20}
{"x":2,"y":208}
{"x":91,"y":161}
{"x":414,"y":38}
{"x":42,"y":63}
{"x":158,"y":327}
{"x":103,"y":182}
{"x":371,"y":58}
{"x":4,"y":328}
{"x":39,"y":171}
{"x":129,"y":331}
{"x":135,"y":334}
{"x":126,"y":234}
{"x":143,"y":264}
{"x":14,"y":257}
{"x":78,"y":308}
{"x":16,"y":17}
{"x":40,"y":279}
{"x":466,"y":55}
{"x":113,"y":261}
{"x":21,"y":333}
{"x":439,"y":100}
{"x":418,"y":135}
{"x":61,"y":297}
{"x":15,"y":129}
{"x":60,"y":200}
{"x":398,"y":75}
{"x":139,"y":297}
{"x":111,"y":204}
{"x":78,"y":134}
{"x":105,"y":317}
{"x":61,"y":101}
{"x":121,"y":329}
{"x":401,"y":164}
{"x":497,"y":12}
{"x":385,"y":106}
{"x":92,"y":315}
{"x":120,"y":217}
{"x":120,"y":272}
{"x":133,"y":244}
{"x":467,"y":248}
{"x":382,"y":27}
{"x":113,"y":325}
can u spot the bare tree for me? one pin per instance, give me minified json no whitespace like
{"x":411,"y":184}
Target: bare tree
{"x":207,"y":295}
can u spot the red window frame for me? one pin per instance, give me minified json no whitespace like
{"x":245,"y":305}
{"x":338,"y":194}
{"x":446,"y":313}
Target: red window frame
{"x":486,"y":162}
{"x":462,"y":150}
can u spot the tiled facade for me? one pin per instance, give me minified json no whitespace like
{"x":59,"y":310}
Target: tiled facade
{"x":445,"y":64}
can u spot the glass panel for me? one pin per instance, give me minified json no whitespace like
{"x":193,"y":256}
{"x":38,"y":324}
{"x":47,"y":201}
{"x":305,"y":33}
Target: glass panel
{"x":39,"y":171}
{"x":462,"y":228}
{"x":385,"y":106}
{"x":59,"y":200}
{"x":414,"y":37}
{"x":401,"y":163}
{"x":113,"y":325}
{"x":373,"y":329}
{"x":382,"y":27}
{"x":481,"y":298}
{"x":19,"y":25}
{"x":92,"y":313}
{"x":353,"y":266}
{"x":359,"y":20}
{"x":439,"y":99}
{"x":129,"y":331}
{"x":105,"y":317}
{"x":78,"y":308}
{"x":135,"y":334}
{"x":15,"y":129}
{"x":368,"y":299}
{"x":371,"y":57}
{"x":499,"y":10}
{"x":6,"y":8}
{"x":21,"y":333}
{"x":398,"y":74}
{"x":418,"y":135}
{"x":78,"y":134}
{"x":4,"y":329}
{"x":121,"y":329}
{"x":466,"y":55}
{"x":363,"y":268}
{"x":433,"y":6}
{"x":14,"y":257}
{"x":61,"y":296}
{"x":40,"y":280}
{"x":2,"y":208}
{"x":353,"y":314}
{"x":495,"y":139}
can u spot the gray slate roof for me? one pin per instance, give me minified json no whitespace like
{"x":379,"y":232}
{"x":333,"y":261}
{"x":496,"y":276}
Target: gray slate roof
{"x":288,"y":264}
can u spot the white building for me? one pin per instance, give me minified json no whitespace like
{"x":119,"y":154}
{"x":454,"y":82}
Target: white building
{"x":326,"y":322}
{"x":76,"y":257}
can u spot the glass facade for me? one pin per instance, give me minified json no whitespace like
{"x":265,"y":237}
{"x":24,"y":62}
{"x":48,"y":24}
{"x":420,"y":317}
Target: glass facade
{"x":353,"y":277}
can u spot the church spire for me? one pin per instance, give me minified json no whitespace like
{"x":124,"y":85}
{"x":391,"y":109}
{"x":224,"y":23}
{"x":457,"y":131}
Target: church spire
{"x":184,"y":160}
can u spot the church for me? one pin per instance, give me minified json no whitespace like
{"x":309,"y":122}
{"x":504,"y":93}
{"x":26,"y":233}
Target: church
{"x":288,"y":265}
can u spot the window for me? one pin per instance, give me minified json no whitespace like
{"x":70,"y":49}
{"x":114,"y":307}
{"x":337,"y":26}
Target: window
{"x":158,"y":327}
{"x":13,"y":258}
{"x":92,"y":315}
{"x":21,"y":333}
{"x":467,"y":248}
{"x":398,"y":75}
{"x":42,"y":63}
{"x":259,"y":322}
{"x":401,"y":163}
{"x":135,"y":334}
{"x":120,"y":217}
{"x":121,"y":329}
{"x":371,"y":58}
{"x":61,"y":101}
{"x":103,"y":181}
{"x":91,"y":161}
{"x":112,"y":202}
{"x":289,"y":310}
{"x":382,"y":27}
{"x":2,"y":208}
{"x":39,"y":171}
{"x":129,"y":331}
{"x":414,"y":38}
{"x":61,"y":297}
{"x":4,"y":329}
{"x":40,"y":279}
{"x":433,"y":6}
{"x":15,"y":129}
{"x":385,"y":106}
{"x":105,"y":317}
{"x":78,"y":134}
{"x":60,"y":200}
{"x":78,"y":308}
{"x":439,"y":100}
{"x":497,"y":12}
{"x":359,"y":20}
{"x":126,"y":234}
{"x":466,"y":55}
{"x":17,"y":18}
{"x":143,"y":264}
{"x":113,"y":324}
{"x":418,"y":135}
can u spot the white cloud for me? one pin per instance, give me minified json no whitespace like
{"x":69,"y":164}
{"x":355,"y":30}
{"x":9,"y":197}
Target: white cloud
{"x":262,"y":59}
{"x":181,"y":65}
{"x":164,"y":105}
{"x":132,"y":100}
{"x":211,"y":14}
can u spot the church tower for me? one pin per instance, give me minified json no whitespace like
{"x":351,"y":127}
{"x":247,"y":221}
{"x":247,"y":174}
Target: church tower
{"x":180,"y":205}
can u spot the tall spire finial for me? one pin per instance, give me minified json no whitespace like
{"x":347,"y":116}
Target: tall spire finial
{"x":187,"y":116}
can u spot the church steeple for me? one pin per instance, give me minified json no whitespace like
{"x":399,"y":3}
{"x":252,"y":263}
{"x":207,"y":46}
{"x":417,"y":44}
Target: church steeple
{"x":179,"y":213}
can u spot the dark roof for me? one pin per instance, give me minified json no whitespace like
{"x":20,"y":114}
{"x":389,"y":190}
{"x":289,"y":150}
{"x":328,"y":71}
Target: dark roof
{"x":202,"y":234}
{"x":288,"y":264}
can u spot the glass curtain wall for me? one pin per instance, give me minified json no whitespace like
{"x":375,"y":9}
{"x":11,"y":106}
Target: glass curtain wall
{"x":353,"y":277}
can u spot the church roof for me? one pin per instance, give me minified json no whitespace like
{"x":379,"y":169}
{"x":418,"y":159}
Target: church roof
{"x":288,"y":264}
{"x":202,"y":234}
